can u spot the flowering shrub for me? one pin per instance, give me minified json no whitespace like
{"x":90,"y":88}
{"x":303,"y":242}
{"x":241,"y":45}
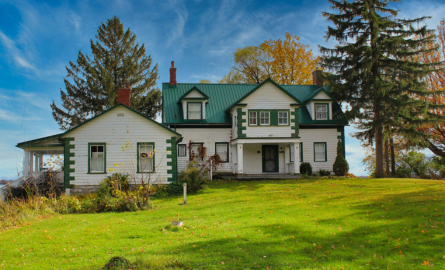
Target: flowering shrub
{"x":194,"y":176}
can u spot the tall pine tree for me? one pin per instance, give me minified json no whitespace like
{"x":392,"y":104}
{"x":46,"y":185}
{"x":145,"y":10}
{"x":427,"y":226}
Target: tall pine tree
{"x":116,"y":60}
{"x":373,"y":69}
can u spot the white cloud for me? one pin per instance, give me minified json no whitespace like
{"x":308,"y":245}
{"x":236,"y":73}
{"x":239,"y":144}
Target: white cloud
{"x":12,"y":117}
{"x":15,"y":53}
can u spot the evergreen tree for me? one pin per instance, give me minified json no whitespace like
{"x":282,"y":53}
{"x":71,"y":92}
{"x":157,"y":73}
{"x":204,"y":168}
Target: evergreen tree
{"x":374,"y":71}
{"x":340,"y":166}
{"x":116,"y":60}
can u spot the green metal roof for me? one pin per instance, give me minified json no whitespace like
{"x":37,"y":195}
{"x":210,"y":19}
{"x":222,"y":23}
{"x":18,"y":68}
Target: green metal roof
{"x":224,"y":96}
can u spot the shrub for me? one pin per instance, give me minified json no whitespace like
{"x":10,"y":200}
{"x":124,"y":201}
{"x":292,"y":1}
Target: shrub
{"x":45,"y":185}
{"x":341,"y":166}
{"x":195,"y":177}
{"x":306,"y":168}
{"x":322,"y":172}
{"x":118,"y":181}
{"x":174,"y":188}
{"x":67,"y":204}
{"x":117,"y":263}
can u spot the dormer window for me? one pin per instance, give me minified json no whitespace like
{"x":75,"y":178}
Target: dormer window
{"x":194,"y":110}
{"x":321,"y":111}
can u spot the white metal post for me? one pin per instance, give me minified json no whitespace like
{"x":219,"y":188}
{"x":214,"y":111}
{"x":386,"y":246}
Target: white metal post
{"x":185,"y":192}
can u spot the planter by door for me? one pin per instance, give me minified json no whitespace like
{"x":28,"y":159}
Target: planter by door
{"x":270,"y":158}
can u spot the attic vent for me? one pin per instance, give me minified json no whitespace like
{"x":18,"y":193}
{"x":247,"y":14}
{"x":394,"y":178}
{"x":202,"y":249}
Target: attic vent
{"x":120,"y":115}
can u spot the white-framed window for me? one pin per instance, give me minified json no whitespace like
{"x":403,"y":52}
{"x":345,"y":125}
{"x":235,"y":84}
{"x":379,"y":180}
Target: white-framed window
{"x":264,"y":118}
{"x":253,"y":118}
{"x":320,"y":151}
{"x":321,"y":111}
{"x":195,"y":154}
{"x":182,"y":150}
{"x":146,"y":156}
{"x":283,"y":118}
{"x":222,"y":149}
{"x":97,"y":157}
{"x":194,"y":110}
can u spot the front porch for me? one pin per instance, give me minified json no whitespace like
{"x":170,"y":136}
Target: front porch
{"x":266,"y":158}
{"x":264,"y":176}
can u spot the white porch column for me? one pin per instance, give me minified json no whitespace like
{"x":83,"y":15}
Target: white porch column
{"x":296,"y":157}
{"x":41,"y":161}
{"x":239,"y":158}
{"x":36,"y":162}
{"x":286,"y":159}
{"x":26,"y":163}
{"x":234,"y":160}
{"x":31,"y":162}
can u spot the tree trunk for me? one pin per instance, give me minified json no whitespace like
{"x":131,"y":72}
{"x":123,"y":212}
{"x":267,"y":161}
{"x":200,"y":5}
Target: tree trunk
{"x":393,"y":159}
{"x":379,"y":172}
{"x":387,"y":158}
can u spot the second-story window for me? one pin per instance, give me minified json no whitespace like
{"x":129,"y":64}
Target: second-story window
{"x":264,"y":118}
{"x":252,"y":118}
{"x":282,"y":118}
{"x":194,"y":110}
{"x":321,"y":111}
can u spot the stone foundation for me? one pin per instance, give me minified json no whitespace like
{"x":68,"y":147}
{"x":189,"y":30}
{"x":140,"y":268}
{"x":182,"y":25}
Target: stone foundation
{"x":82,"y":190}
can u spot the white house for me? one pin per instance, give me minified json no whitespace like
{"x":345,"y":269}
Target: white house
{"x":255,"y":129}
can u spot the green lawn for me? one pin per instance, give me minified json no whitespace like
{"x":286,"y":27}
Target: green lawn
{"x":289,"y":224}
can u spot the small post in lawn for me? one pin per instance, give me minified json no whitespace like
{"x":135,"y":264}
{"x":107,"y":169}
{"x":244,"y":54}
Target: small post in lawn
{"x":185,"y":192}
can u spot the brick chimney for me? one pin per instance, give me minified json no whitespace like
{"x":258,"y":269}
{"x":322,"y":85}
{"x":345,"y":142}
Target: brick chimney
{"x":317,"y":77}
{"x":123,"y":95}
{"x":173,"y":74}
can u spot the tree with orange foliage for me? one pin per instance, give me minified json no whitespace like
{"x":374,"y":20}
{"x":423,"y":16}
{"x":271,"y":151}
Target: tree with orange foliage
{"x":436,"y":82}
{"x":286,"y":61}
{"x":291,"y":61}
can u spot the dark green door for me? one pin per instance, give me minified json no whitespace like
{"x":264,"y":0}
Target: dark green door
{"x":270,"y":158}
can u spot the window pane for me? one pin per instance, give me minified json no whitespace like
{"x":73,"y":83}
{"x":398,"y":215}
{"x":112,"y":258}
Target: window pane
{"x":264,"y":118}
{"x":320,"y":152}
{"x":221,"y":150}
{"x":321,"y":112}
{"x":194,"y":153}
{"x":97,"y":158}
{"x":252,"y":118}
{"x":282,"y":118}
{"x":181,"y":150}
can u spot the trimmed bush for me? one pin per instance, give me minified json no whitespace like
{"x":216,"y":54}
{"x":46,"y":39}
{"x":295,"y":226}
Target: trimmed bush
{"x":174,"y":188}
{"x":341,"y":166}
{"x":322,"y":172}
{"x":306,"y":168}
{"x":194,"y":176}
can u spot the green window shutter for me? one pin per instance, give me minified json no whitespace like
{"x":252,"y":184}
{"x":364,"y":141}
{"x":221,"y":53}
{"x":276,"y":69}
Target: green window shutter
{"x":274,"y":118}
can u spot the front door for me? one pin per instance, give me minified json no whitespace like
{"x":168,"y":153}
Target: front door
{"x":270,"y":158}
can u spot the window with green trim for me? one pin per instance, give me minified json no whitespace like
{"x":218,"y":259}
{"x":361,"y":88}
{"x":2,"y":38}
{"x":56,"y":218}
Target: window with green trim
{"x":146,"y":154}
{"x":253,"y":118}
{"x":291,"y":152}
{"x":321,"y":111}
{"x":320,"y":152}
{"x":222,"y":150}
{"x":195,"y":151}
{"x":264,"y":118}
{"x":96,"y":157}
{"x":182,"y":150}
{"x":194,"y":110}
{"x":283,"y":117}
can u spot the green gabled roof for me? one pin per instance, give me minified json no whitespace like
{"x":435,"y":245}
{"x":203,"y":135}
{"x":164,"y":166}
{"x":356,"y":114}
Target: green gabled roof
{"x":261,"y":84}
{"x":204,"y":96}
{"x":39,"y":140}
{"x":60,"y":135}
{"x":318,"y":91}
{"x":338,"y":118}
{"x":223,"y":96}
{"x":115,"y":106}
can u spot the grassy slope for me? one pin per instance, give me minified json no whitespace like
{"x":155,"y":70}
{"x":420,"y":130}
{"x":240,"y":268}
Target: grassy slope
{"x":291,"y":224}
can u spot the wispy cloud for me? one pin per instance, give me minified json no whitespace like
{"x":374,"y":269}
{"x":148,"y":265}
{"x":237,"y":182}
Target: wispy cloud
{"x":15,"y":53}
{"x":12,"y":117}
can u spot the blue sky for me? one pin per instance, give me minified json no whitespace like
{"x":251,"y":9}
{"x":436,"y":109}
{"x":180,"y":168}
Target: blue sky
{"x":39,"y":38}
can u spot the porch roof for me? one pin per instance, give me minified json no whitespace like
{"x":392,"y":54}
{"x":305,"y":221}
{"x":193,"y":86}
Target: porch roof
{"x":266,"y":140}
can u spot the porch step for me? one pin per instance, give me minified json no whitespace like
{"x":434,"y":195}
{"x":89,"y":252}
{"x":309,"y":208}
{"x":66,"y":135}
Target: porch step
{"x":261,"y":176}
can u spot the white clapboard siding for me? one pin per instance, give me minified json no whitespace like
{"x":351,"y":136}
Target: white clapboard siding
{"x":253,"y":161}
{"x":322,"y":95}
{"x":194,"y":94}
{"x":208,"y":136}
{"x":268,"y":97}
{"x":309,"y":136}
{"x":115,"y":132}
